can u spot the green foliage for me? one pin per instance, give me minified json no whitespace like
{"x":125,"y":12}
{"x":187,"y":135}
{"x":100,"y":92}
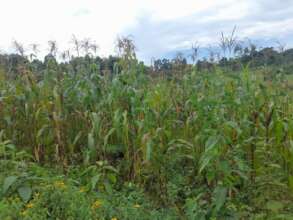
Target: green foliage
{"x":130,"y":146}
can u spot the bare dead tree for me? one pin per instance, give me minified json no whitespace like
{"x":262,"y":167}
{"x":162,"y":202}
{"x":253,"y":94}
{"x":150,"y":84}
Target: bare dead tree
{"x":194,"y":52}
{"x":227,"y":43}
{"x":86,"y":45}
{"x":65,"y":55}
{"x":76,"y":44}
{"x":223,"y":44}
{"x":94,"y":48}
{"x":34,"y":50}
{"x":212,"y":54}
{"x":251,"y":47}
{"x":126,"y":48}
{"x":153,"y":59}
{"x":281,"y":46}
{"x":18,"y":47}
{"x":238,"y":49}
{"x":53,"y":48}
{"x":232,"y":40}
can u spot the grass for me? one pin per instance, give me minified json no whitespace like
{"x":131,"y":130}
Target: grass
{"x":197,"y":146}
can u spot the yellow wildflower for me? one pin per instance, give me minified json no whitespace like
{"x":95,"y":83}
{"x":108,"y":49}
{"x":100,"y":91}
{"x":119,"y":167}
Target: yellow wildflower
{"x":82,"y":189}
{"x":96,"y":204}
{"x":114,"y":218}
{"x":136,"y":206}
{"x":30,"y":205}
{"x":37,"y":195}
{"x":23,"y":213}
{"x":60,"y":184}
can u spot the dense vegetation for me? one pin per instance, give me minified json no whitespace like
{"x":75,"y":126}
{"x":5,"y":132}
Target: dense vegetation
{"x":80,"y":142}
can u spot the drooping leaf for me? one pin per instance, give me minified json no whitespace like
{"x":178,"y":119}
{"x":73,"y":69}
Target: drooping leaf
{"x":8,"y":182}
{"x":94,"y":181}
{"x":25,"y":193}
{"x":209,"y":154}
{"x":274,"y":206}
{"x":220,"y":197}
{"x":148,"y":150}
{"x":290,"y":178}
{"x":91,"y":142}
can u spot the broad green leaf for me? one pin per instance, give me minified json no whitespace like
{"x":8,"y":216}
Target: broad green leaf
{"x":112,"y":178}
{"x":8,"y":182}
{"x":91,"y":142}
{"x":290,"y":178}
{"x":220,"y":197}
{"x":94,"y":181}
{"x":41,"y":131}
{"x":148,"y":150}
{"x":77,"y":137}
{"x":25,"y":193}
{"x":106,"y":138}
{"x":211,"y":142}
{"x":274,"y":206}
{"x":209,"y":154}
{"x":111,"y":168}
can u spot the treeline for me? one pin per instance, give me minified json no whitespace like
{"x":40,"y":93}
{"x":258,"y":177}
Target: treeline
{"x":81,"y":59}
{"x":266,"y":57}
{"x":14,"y":64}
{"x":85,"y":59}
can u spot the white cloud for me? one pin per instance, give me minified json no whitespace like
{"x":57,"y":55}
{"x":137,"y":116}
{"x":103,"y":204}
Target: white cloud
{"x":157,"y":25}
{"x":39,"y":21}
{"x":166,"y":9}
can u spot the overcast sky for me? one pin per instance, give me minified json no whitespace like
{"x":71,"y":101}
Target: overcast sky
{"x":158,"y":26}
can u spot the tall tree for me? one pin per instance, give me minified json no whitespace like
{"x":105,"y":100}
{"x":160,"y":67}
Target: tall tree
{"x":18,"y":47}
{"x":34,"y":50}
{"x":194,"y":52}
{"x":126,"y":47}
{"x":76,"y":44}
{"x":53,"y":48}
